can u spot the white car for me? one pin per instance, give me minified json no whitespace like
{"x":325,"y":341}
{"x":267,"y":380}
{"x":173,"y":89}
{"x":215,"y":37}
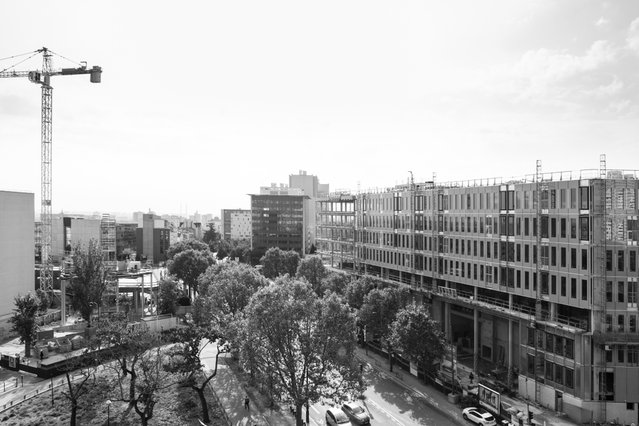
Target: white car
{"x":479,"y":416}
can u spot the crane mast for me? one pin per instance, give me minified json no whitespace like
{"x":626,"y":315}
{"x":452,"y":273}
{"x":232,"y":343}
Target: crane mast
{"x":43,"y":77}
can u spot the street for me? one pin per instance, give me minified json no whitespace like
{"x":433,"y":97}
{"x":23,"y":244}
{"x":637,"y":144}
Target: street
{"x":389,"y":403}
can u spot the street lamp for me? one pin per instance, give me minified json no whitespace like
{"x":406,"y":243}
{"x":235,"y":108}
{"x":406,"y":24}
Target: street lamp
{"x":108,"y":404}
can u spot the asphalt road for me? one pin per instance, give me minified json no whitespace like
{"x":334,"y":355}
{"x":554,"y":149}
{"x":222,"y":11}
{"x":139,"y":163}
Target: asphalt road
{"x":389,"y":403}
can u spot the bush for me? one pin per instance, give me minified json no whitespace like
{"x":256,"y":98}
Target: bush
{"x":184,"y":301}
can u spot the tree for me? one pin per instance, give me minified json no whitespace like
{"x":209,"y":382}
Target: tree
{"x":335,"y":282}
{"x":125,"y":343}
{"x":234,"y":249}
{"x":152,"y":378}
{"x":357,"y":290}
{"x":181,"y":246}
{"x":88,"y":281}
{"x":186,"y":357}
{"x":211,"y":237}
{"x":313,"y":270}
{"x":418,"y":336}
{"x":230,"y":285}
{"x":23,"y":319}
{"x":168,"y":296}
{"x":302,"y":344}
{"x":188,"y":265}
{"x":276,"y":262}
{"x":378,"y":313}
{"x":77,"y":372}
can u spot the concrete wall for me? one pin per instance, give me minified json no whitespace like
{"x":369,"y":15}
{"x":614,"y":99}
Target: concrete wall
{"x":16,"y":247}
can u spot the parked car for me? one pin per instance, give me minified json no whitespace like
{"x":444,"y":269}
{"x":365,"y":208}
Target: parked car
{"x":335,"y":417}
{"x":356,"y":413}
{"x":479,"y":416}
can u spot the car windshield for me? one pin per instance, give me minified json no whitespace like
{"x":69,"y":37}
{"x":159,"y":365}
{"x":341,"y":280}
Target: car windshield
{"x":356,"y":409}
{"x":340,"y":416}
{"x":488,"y":417}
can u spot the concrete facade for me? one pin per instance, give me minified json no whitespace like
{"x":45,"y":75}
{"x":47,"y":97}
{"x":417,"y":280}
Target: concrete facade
{"x":538,"y":281}
{"x":16,"y":248}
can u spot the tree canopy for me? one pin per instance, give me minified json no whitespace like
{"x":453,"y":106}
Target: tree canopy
{"x":313,"y":270}
{"x":417,"y":335}
{"x":276,"y":262}
{"x":88,"y":281}
{"x":211,"y":237}
{"x":357,"y":290}
{"x":301,"y":344}
{"x":181,"y":246}
{"x":23,"y":319}
{"x":189,"y":264}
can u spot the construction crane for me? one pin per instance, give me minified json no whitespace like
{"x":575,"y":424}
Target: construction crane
{"x":43,"y":78}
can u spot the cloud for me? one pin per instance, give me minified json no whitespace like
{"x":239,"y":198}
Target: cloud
{"x":601,"y":22}
{"x":632,"y":40}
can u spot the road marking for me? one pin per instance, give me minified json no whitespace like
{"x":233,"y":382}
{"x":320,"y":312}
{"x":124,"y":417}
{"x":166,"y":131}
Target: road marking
{"x":315,"y":409}
{"x":393,"y":418}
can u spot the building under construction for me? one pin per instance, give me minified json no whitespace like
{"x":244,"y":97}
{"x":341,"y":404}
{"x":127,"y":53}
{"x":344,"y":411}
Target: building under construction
{"x":533,"y":279}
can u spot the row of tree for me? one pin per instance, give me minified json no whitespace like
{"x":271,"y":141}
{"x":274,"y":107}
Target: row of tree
{"x":291,"y":323}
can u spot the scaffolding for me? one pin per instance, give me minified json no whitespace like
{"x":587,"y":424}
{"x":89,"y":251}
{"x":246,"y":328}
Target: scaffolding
{"x":108,"y":241}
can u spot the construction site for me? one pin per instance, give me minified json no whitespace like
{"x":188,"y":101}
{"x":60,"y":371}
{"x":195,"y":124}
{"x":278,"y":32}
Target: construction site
{"x":534,"y":280}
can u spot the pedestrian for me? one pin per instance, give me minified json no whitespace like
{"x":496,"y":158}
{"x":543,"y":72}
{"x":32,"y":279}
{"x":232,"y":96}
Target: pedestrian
{"x":246,"y":402}
{"x":471,"y":377}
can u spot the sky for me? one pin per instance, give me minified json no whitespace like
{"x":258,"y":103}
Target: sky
{"x":203,"y":102}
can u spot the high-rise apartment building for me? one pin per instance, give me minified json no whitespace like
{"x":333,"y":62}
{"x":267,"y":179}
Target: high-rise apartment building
{"x":310,"y":186}
{"x":236,"y":224}
{"x":536,"y":277}
{"x":277,"y":221}
{"x":153,"y":239}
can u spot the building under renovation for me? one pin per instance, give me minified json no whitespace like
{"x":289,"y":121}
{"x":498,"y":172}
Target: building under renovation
{"x":534,"y":280}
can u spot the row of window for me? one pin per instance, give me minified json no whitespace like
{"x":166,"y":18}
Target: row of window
{"x":505,"y":276}
{"x":620,"y":326}
{"x":622,"y":296}
{"x":552,"y":343}
{"x":625,"y":354}
{"x":553,"y":372}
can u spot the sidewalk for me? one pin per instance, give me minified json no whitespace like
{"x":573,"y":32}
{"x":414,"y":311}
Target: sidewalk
{"x":440,"y":401}
{"x":231,"y":391}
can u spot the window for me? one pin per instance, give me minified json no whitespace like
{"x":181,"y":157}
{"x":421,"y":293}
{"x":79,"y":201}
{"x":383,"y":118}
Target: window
{"x":526,"y":280}
{"x":569,"y":382}
{"x":526,"y":253}
{"x":608,"y":291}
{"x":620,"y":322}
{"x":632,"y":260}
{"x":583,"y":198}
{"x":632,"y":292}
{"x":620,"y":353}
{"x":584,"y":259}
{"x":584,"y":290}
{"x":633,"y":352}
{"x":563,"y":286}
{"x":562,"y":227}
{"x":573,"y":198}
{"x":620,"y":292}
{"x":562,"y":198}
{"x":573,"y":228}
{"x":518,"y":226}
{"x":620,"y":261}
{"x":526,"y":226}
{"x":553,"y":198}
{"x":553,"y":256}
{"x":518,"y":252}
{"x":573,"y":288}
{"x":553,"y":284}
{"x":570,"y":348}
{"x":553,"y":227}
{"x":563,"y":257}
{"x":608,"y":260}
{"x":584,"y":230}
{"x":573,"y":258}
{"x":632,"y":323}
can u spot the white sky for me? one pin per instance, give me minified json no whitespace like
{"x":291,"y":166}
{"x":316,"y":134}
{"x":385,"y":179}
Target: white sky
{"x":203,"y":102}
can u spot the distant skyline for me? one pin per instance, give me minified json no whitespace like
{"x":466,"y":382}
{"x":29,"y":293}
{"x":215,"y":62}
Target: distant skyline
{"x":204,"y":102}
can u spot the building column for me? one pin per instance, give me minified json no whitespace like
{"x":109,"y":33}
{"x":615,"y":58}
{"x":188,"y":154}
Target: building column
{"x":476,"y":339}
{"x":553,"y":311}
{"x":447,"y":328}
{"x":510,"y":342}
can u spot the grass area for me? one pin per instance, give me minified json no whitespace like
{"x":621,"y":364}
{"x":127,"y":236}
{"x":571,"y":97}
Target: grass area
{"x":176,"y":406}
